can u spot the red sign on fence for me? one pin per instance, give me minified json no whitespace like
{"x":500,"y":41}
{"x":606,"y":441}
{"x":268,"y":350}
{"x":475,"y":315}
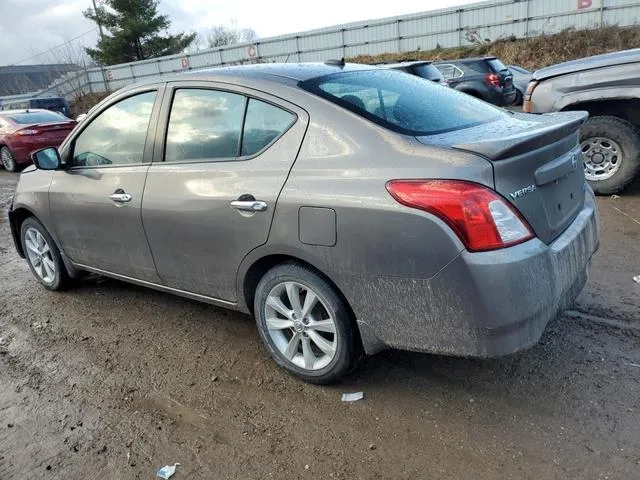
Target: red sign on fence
{"x":584,"y":4}
{"x":109,"y":75}
{"x":184,"y":62}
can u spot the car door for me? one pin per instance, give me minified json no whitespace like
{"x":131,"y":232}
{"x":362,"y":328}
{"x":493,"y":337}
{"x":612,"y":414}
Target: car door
{"x":221,"y":159}
{"x":95,"y":200}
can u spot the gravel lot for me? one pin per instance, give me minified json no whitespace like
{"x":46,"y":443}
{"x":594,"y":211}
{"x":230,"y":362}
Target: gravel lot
{"x":114,"y":381}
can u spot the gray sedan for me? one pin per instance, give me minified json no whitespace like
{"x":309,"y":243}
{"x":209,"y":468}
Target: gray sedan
{"x":349,"y":209}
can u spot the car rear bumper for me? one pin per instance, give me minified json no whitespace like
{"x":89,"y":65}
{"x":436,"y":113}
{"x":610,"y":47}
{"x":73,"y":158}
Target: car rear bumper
{"x":481,"y":304}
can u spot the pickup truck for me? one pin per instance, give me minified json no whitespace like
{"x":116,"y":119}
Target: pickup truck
{"x":608,"y":87}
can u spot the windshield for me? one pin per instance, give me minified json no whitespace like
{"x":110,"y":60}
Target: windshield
{"x":36,"y":117}
{"x":402,"y":103}
{"x":47,"y":103}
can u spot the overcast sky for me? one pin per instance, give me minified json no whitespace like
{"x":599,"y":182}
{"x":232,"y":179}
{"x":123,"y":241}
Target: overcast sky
{"x":29,"y":27}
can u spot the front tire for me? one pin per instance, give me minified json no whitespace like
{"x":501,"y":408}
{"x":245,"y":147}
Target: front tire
{"x":43,"y":256}
{"x":305,"y":324}
{"x":8,"y":160}
{"x":611,"y":151}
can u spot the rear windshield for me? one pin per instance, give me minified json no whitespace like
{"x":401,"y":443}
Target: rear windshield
{"x":48,"y":103}
{"x":496,"y":65}
{"x":402,"y":103}
{"x":428,"y":71}
{"x":36,"y":117}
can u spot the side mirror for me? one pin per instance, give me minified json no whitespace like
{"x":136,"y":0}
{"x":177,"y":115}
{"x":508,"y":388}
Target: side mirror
{"x":47,"y":159}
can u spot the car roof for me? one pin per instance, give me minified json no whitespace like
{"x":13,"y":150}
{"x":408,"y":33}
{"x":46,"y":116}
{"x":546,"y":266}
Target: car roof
{"x":409,"y":63}
{"x":275,"y":72}
{"x":465,"y":60}
{"x":588,"y":63}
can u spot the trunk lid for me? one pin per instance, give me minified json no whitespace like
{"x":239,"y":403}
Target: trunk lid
{"x":537,"y":164}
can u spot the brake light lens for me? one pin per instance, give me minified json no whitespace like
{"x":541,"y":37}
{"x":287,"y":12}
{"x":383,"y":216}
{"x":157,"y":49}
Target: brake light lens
{"x":492,"y":79}
{"x":27,"y":131}
{"x":479,"y":216}
{"x":526,"y":104}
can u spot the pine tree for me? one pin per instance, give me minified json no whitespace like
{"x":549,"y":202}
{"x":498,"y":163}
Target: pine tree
{"x":134,"y":32}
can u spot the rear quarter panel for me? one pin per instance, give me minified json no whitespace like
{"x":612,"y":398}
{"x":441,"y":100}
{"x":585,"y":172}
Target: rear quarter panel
{"x":343,"y":165}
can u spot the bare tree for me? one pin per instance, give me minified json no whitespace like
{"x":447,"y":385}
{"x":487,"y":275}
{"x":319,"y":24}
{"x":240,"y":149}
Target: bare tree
{"x":222,"y":35}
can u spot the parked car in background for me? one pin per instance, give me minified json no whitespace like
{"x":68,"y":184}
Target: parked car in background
{"x":608,"y":87}
{"x":419,"y":68}
{"x":55,"y":104}
{"x":485,"y":78}
{"x":521,"y":79}
{"x":347,"y":207}
{"x":24,"y":131}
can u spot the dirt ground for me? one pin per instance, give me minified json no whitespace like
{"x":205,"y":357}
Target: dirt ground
{"x":114,"y":381}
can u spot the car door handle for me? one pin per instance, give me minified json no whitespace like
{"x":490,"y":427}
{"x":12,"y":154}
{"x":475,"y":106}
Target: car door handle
{"x":249,"y":205}
{"x":121,"y":197}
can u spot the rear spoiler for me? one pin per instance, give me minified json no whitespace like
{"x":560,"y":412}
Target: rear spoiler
{"x":552,"y":127}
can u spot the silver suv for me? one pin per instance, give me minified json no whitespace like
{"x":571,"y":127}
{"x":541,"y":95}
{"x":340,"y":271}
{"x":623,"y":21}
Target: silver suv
{"x":348,"y":208}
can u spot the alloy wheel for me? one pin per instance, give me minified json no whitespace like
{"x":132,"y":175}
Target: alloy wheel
{"x":8,"y":162}
{"x":40,"y":255}
{"x":301,"y":326}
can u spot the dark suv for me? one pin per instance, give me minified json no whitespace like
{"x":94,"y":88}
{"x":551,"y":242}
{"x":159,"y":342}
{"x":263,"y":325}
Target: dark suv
{"x":419,"y":68}
{"x":486,"y":78}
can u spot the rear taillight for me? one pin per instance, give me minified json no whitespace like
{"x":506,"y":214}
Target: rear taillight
{"x":492,"y":79}
{"x":27,"y":131}
{"x":479,"y":216}
{"x":526,"y":104}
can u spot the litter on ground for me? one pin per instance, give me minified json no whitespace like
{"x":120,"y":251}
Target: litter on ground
{"x":167,"y":471}
{"x":352,"y":397}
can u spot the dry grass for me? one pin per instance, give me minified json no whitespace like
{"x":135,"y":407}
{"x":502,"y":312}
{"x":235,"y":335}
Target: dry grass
{"x":530,"y":53}
{"x":85,"y":102}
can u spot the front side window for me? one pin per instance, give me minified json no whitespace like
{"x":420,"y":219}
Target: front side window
{"x":402,"y":103}
{"x":117,"y":136}
{"x":204,"y":124}
{"x":263,"y":124}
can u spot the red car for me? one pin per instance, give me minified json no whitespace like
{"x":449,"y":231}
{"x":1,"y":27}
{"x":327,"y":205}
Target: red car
{"x":24,"y":131}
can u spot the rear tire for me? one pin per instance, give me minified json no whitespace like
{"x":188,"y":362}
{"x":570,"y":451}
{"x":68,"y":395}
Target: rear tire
{"x":8,"y":161}
{"x":318,"y":345}
{"x":43,"y":256}
{"x":623,"y":136}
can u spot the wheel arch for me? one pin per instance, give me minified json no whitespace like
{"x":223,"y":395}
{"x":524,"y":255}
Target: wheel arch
{"x":16,"y":219}
{"x":625,"y":108}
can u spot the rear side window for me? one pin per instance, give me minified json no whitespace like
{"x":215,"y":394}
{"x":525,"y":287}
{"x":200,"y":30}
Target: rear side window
{"x":450,"y":71}
{"x":36,"y":117}
{"x":215,"y":125}
{"x":204,"y":124}
{"x":263,"y":124}
{"x":478,"y":66}
{"x":402,"y":103}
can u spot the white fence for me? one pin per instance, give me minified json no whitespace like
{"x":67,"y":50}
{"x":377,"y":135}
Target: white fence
{"x":449,"y":27}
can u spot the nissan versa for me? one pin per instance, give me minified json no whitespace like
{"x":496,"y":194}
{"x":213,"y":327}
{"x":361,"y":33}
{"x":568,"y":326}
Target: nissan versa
{"x":348,"y":208}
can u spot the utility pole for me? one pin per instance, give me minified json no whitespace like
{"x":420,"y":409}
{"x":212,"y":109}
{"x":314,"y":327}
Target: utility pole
{"x":95,"y":9}
{"x":104,"y":75}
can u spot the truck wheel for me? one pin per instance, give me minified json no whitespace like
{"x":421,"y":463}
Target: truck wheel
{"x":611,"y":151}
